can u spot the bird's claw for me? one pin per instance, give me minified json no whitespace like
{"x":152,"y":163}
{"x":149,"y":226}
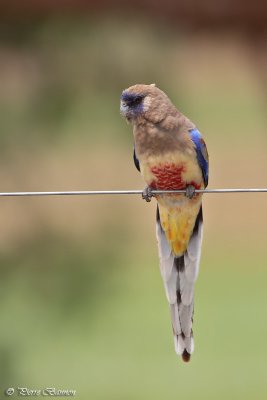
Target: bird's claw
{"x":147,"y":195}
{"x":190,"y":191}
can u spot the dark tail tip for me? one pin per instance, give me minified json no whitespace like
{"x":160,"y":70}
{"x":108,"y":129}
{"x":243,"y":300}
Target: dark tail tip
{"x":186,"y":356}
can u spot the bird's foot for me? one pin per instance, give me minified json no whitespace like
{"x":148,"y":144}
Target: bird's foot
{"x":190,"y":191}
{"x":147,"y":195}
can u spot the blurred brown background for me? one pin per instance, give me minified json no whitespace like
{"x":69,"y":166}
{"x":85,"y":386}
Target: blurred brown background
{"x":82,"y":304}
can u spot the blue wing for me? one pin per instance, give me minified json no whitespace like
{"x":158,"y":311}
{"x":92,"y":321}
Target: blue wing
{"x":202,"y":153}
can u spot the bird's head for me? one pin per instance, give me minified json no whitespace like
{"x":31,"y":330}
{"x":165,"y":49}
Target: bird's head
{"x":144,"y":101}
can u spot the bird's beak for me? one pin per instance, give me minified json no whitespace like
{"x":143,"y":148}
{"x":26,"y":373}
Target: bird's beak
{"x":124,"y":108}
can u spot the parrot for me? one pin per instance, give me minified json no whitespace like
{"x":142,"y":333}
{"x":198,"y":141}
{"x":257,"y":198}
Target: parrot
{"x":171,"y":154}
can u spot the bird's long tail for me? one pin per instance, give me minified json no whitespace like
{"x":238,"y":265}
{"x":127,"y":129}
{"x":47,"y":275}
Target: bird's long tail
{"x":179,"y":275}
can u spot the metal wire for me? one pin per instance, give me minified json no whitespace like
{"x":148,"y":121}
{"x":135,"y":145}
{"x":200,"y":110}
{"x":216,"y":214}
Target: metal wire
{"x":118,"y":192}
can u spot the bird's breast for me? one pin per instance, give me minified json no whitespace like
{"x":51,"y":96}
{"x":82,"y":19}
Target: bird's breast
{"x":170,"y":177}
{"x":172,"y":173}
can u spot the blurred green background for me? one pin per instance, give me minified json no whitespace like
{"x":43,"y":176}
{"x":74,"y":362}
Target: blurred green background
{"x":82,"y":304}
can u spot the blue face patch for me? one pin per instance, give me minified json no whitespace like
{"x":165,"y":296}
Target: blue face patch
{"x":131,"y":103}
{"x":131,"y":97}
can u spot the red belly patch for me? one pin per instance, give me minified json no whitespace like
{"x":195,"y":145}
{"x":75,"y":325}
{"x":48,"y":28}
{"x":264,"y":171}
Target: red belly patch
{"x":169,"y":177}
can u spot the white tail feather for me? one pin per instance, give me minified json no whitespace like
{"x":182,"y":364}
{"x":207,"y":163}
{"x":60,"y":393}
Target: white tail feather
{"x":165,"y":254}
{"x":179,"y":276}
{"x":175,"y":319}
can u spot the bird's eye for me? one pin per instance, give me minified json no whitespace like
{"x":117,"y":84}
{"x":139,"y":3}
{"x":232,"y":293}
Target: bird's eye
{"x":137,"y":100}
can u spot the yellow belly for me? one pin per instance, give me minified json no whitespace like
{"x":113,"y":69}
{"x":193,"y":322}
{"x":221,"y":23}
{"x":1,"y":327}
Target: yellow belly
{"x":178,"y":215}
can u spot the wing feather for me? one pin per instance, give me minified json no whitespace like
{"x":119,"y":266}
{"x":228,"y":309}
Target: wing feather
{"x":202,"y":153}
